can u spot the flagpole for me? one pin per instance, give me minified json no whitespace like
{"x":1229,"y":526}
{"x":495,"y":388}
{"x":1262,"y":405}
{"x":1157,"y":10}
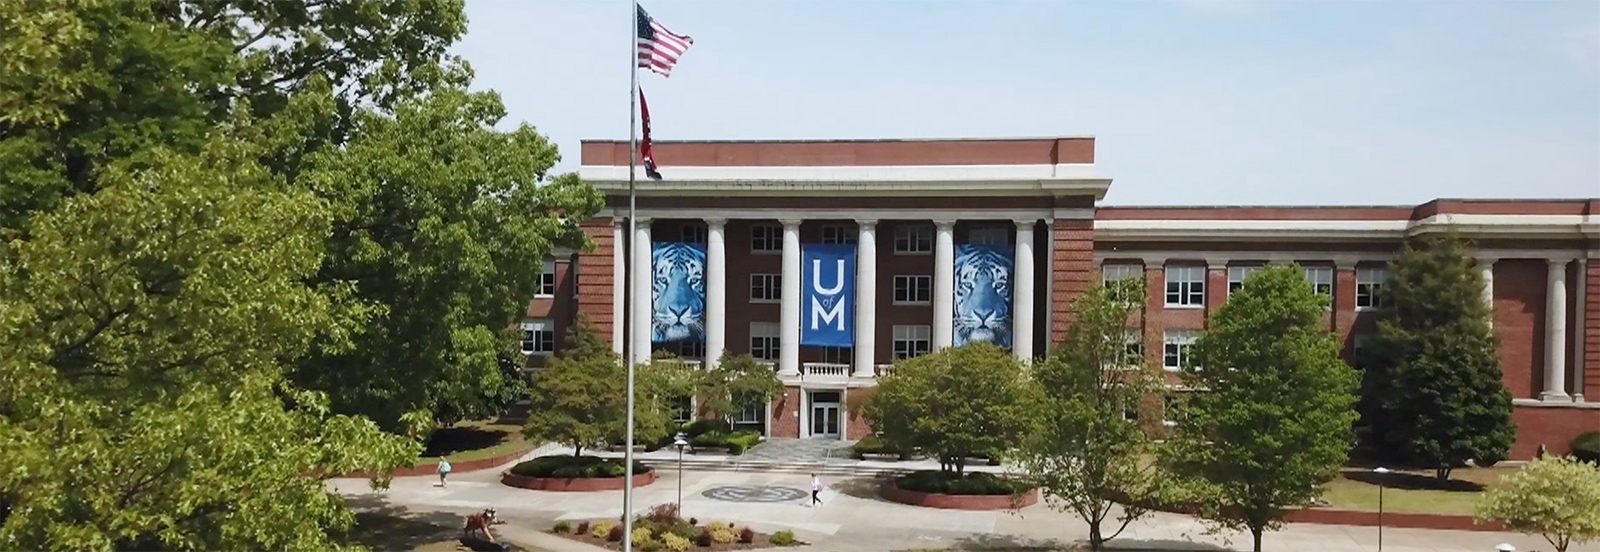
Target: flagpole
{"x":633,"y":275}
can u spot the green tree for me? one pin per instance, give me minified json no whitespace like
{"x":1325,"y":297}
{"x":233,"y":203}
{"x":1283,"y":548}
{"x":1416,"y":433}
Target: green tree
{"x":1433,"y":388}
{"x":580,"y":398}
{"x":1270,"y":419}
{"x":1080,"y":450}
{"x":1554,"y":498}
{"x":955,"y":402}
{"x":146,"y":327}
{"x":736,"y":383}
{"x":443,"y":224}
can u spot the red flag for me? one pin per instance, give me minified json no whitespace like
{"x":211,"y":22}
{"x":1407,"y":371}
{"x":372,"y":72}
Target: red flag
{"x":649,"y":158}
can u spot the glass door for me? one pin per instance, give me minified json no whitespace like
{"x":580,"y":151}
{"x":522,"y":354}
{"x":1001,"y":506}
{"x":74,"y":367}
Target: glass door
{"x":825,"y":420}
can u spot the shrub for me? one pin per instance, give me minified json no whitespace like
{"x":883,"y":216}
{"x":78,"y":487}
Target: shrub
{"x":640,"y":535}
{"x":1586,"y":447}
{"x":718,"y":525}
{"x":664,"y":513}
{"x":972,"y":483}
{"x":694,"y":521}
{"x":710,"y":439}
{"x":783,"y":538}
{"x":583,"y":528}
{"x":704,"y":538}
{"x":871,"y":444}
{"x":706,"y":425}
{"x":724,"y":535}
{"x":601,"y":529}
{"x":615,"y":534}
{"x":562,"y":526}
{"x":651,"y":545}
{"x":675,"y":542}
{"x":742,"y":441}
{"x":574,"y":467}
{"x":747,"y":536}
{"x":683,"y":529}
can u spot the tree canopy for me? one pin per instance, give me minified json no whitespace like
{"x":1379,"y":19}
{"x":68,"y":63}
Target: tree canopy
{"x":737,"y":382}
{"x":956,"y":402}
{"x":1554,"y":498}
{"x":1434,"y":396}
{"x":580,"y":398}
{"x":1268,"y":385}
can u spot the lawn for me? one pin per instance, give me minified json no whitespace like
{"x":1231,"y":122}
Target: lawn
{"x":471,"y":441}
{"x":1412,"y":492}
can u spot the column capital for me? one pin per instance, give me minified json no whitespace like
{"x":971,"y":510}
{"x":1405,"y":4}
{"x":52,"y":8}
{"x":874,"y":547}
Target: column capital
{"x":944,"y":223}
{"x":1213,"y":263}
{"x":1025,"y":222}
{"x":715,"y":221}
{"x":1558,"y":263}
{"x":641,"y":219}
{"x":619,"y":221}
{"x":1488,"y":260}
{"x":866,"y":222}
{"x":790,"y":221}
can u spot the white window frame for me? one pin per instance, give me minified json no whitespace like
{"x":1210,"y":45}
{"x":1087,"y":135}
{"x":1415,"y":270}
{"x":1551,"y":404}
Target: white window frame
{"x":1133,"y":343}
{"x":1112,"y":272}
{"x":766,"y":288}
{"x":538,"y":337}
{"x":1321,"y":280}
{"x":838,"y":355}
{"x":547,"y":279}
{"x":1181,"y":282}
{"x":750,"y":414}
{"x":913,"y":239}
{"x":766,"y":238}
{"x":1175,"y":345}
{"x":911,"y":284}
{"x":1237,"y":275}
{"x":695,"y":233}
{"x":1369,"y":286}
{"x":988,"y":234}
{"x":688,"y":349}
{"x":682,"y":408}
{"x":838,"y":234}
{"x":912,"y":340}
{"x":765,"y":340}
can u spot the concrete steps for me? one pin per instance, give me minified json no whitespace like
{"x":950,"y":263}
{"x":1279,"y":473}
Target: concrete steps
{"x":737,"y":465}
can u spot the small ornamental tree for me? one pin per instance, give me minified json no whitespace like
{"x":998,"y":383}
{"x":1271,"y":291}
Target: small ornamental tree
{"x":580,"y":398}
{"x":955,"y":403}
{"x":737,"y":382}
{"x":1269,"y":420}
{"x":1556,"y":498}
{"x":1080,"y":450}
{"x":1433,"y":391}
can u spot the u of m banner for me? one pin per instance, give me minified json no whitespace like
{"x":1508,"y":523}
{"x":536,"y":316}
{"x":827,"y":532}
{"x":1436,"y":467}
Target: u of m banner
{"x":827,"y":294}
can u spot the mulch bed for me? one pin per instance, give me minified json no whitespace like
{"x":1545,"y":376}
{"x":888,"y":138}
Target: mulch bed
{"x":762,"y":540}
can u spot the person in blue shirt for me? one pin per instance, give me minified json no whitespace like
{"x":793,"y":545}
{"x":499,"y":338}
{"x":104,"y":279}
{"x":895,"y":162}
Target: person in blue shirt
{"x":444,"y":470}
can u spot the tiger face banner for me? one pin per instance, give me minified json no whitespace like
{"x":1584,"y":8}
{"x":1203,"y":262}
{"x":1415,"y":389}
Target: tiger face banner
{"x":983,"y":294}
{"x":678,"y":292}
{"x":827,"y":294}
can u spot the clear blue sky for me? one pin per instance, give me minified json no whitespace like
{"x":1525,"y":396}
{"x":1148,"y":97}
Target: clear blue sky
{"x":1212,"y":102}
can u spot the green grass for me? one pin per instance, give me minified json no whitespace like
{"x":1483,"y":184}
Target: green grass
{"x":472,"y":441}
{"x":1412,"y":492}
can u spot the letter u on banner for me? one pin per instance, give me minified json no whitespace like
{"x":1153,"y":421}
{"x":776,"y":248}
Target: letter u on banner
{"x":827,"y":294}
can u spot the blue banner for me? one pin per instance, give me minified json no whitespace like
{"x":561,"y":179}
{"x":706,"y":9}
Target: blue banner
{"x":827,"y":294}
{"x":678,"y":292}
{"x":983,"y":294}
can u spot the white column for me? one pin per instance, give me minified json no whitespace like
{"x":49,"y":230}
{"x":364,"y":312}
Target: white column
{"x":789,"y":319}
{"x":1555,"y":333}
{"x":866,"y":298}
{"x":619,"y":284}
{"x":642,"y":298}
{"x":716,"y":292}
{"x":1486,"y":268}
{"x":1022,"y":293}
{"x":1578,"y":331}
{"x":943,"y":283}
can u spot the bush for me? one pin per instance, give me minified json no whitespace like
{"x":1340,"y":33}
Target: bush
{"x":871,"y":444}
{"x":1586,"y":447}
{"x":718,"y":525}
{"x":651,"y":545}
{"x":664,"y":513}
{"x":615,"y":534}
{"x":974,"y":483}
{"x":675,"y":543}
{"x":583,"y":528}
{"x":562,"y":526}
{"x":704,"y":538}
{"x":601,"y":529}
{"x":694,"y":521}
{"x":574,"y":467}
{"x":741,"y":441}
{"x":747,"y":536}
{"x":640,"y":535}
{"x":783,"y":538}
{"x":724,"y":535}
{"x":706,"y":425}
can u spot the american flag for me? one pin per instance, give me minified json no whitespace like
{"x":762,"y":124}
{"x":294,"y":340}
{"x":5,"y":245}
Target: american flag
{"x":657,"y":47}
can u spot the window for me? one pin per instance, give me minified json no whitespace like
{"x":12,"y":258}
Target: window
{"x":547,"y":279}
{"x":838,"y":234}
{"x":682,"y":408}
{"x":988,"y":234}
{"x":913,"y":289}
{"x":1321,"y":279}
{"x":694,"y":233}
{"x":838,"y":355}
{"x":1236,"y":276}
{"x":1369,"y":287}
{"x":1175,"y":349}
{"x":764,"y":340}
{"x":766,"y":238}
{"x":913,"y":238}
{"x":538,"y":337}
{"x":910,"y":341}
{"x":1186,"y":286}
{"x":1171,"y":410}
{"x":1133,"y":345}
{"x":689,"y":349}
{"x":766,"y":288}
{"x":1130,"y":412}
{"x":749,"y":414}
{"x":1118,"y":272}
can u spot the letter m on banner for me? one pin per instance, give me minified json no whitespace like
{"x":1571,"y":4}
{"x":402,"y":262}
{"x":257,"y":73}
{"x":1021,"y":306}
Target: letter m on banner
{"x":827,"y":294}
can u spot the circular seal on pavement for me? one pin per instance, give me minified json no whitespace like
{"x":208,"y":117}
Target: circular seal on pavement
{"x":739,"y":493}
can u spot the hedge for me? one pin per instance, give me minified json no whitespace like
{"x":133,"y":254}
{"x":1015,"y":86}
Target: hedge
{"x":1586,"y":446}
{"x":974,"y":483}
{"x":574,"y":467}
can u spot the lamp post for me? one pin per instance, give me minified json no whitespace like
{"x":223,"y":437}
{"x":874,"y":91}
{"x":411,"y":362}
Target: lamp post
{"x":680,"y":443}
{"x":1382,"y":472}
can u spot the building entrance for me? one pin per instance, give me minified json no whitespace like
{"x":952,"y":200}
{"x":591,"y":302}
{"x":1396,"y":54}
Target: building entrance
{"x":825,"y":414}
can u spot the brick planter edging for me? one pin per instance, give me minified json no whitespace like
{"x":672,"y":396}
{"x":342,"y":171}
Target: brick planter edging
{"x":1391,"y":519}
{"x":581,"y":484}
{"x":894,"y":493}
{"x":432,"y":468}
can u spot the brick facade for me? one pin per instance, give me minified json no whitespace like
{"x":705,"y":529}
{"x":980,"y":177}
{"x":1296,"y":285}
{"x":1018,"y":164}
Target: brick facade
{"x":1071,"y":269}
{"x":595,"y":278}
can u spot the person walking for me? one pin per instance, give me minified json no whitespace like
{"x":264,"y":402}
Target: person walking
{"x":816,"y":490}
{"x":444,"y":470}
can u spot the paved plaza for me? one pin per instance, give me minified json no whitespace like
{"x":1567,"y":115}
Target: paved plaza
{"x":853,"y":518}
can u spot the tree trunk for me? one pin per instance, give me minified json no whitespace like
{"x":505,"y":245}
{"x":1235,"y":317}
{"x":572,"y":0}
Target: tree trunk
{"x":1441,"y":474}
{"x":1255,"y":533}
{"x":1097,"y":542}
{"x":961,"y":466}
{"x":577,"y":450}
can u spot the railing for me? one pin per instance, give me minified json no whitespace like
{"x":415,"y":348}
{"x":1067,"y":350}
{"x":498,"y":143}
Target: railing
{"x":690,"y":363}
{"x":824,"y":370}
{"x":882,"y":370}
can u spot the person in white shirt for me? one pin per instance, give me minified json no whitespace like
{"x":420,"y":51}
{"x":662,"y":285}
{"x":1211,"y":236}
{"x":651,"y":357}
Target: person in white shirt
{"x":816,"y":490}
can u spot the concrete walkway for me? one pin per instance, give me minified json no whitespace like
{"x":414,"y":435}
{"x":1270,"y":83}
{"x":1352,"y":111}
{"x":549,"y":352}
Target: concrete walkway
{"x":852,"y":517}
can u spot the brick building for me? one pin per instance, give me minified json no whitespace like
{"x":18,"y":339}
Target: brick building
{"x":913,"y":210}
